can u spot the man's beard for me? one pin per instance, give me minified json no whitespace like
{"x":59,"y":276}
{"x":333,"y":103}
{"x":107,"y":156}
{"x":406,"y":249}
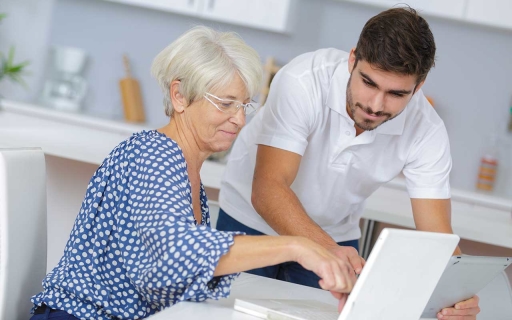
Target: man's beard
{"x":366,"y":124}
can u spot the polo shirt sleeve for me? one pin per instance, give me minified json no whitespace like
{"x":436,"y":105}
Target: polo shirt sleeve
{"x":427,"y":171}
{"x":289,"y":114}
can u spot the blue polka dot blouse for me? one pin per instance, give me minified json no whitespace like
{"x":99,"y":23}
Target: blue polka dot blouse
{"x":135,"y":247}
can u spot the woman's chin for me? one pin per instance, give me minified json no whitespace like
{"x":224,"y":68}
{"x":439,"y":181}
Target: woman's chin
{"x":221,"y":147}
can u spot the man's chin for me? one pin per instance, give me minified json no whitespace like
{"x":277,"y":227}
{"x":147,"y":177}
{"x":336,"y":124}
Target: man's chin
{"x":367,"y":126}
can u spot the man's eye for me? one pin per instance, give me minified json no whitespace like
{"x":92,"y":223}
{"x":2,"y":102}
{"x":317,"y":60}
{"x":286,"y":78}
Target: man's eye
{"x":368,"y":83}
{"x":398,"y":95}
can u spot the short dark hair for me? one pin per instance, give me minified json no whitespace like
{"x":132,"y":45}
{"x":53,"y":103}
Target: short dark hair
{"x":398,"y":40}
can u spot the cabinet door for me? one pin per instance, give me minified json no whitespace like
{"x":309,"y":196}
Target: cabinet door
{"x":273,"y":15}
{"x":189,"y":7}
{"x":442,"y":8}
{"x":496,"y":13}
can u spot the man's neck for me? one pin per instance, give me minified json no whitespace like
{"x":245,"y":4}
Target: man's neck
{"x":358,"y":130}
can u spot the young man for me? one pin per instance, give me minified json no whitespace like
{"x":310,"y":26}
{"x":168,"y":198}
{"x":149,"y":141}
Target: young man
{"x":335,"y":127}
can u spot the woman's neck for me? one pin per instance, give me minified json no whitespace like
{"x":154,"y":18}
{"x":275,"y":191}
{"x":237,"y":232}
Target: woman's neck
{"x":192,"y":152}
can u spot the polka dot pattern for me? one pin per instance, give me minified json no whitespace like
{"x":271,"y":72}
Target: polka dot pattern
{"x":135,"y":247}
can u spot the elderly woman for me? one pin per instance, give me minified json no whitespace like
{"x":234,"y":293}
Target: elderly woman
{"x":142,"y":239}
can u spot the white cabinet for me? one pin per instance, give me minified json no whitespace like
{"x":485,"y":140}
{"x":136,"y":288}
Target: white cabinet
{"x":272,"y":15}
{"x":496,"y":13}
{"x":190,"y":7}
{"x":442,"y":8}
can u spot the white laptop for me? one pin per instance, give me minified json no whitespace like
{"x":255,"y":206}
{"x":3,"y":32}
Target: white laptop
{"x":396,"y":282}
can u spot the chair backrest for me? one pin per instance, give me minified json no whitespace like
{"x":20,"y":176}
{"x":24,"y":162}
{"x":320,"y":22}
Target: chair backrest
{"x":22,"y":229}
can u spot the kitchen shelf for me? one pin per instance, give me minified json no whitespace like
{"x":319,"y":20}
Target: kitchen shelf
{"x":74,"y":136}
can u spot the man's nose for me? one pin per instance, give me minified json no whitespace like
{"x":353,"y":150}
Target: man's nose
{"x":377,"y":102}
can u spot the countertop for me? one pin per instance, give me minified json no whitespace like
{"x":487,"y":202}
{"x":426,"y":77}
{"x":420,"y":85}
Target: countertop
{"x":475,"y":216}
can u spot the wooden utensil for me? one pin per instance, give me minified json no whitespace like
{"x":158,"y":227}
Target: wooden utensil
{"x":131,"y":96}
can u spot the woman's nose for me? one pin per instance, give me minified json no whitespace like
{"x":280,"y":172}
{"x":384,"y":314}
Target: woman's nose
{"x":239,"y":118}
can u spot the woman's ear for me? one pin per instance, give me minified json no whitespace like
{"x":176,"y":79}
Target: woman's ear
{"x":177,"y":99}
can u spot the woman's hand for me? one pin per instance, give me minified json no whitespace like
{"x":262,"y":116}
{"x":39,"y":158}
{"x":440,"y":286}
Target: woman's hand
{"x":335,"y":274}
{"x":342,"y":299}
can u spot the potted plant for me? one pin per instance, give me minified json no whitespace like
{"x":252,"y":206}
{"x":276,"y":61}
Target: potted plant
{"x":9,"y":69}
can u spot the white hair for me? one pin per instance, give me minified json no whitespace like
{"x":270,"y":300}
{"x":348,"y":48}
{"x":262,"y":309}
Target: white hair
{"x":204,"y":60}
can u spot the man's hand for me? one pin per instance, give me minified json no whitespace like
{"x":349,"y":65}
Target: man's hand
{"x":464,"y":310}
{"x":349,"y":255}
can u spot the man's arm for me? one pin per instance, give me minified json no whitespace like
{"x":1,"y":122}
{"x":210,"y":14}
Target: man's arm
{"x":435,"y":215}
{"x":278,"y":205}
{"x":275,"y":201}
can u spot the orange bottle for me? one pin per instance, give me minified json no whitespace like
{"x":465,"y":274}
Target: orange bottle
{"x":487,"y":173}
{"x":488,"y":166}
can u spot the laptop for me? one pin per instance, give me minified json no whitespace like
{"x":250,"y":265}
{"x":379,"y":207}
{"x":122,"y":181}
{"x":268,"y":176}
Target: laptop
{"x":396,"y":282}
{"x":463,"y":277}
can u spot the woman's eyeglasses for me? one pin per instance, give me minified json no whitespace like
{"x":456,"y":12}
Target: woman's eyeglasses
{"x":230,"y":106}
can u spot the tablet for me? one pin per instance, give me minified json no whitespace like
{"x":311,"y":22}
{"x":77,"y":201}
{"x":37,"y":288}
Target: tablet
{"x":464,"y":277}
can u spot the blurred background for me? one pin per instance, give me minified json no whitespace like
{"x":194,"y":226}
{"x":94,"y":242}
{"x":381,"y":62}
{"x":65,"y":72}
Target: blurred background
{"x":471,"y":84}
{"x":75,"y":80}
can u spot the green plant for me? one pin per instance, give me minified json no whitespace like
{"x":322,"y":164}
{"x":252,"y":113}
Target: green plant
{"x":8,"y":68}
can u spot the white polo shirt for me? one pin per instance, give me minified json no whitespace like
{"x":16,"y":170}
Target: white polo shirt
{"x":305,"y":113}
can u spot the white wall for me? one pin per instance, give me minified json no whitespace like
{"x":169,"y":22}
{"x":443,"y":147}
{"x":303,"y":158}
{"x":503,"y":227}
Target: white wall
{"x":26,"y":27}
{"x":471,"y":83}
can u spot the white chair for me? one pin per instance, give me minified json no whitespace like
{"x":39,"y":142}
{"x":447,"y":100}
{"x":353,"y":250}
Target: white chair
{"x":22,"y":230}
{"x":214,"y":212}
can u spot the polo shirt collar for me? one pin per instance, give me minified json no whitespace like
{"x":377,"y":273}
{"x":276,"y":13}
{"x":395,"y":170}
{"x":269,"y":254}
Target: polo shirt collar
{"x":337,"y":96}
{"x":337,"y":101}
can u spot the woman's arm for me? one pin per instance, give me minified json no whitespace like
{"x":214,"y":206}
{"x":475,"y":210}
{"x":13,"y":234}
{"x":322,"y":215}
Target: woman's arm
{"x":250,"y":252}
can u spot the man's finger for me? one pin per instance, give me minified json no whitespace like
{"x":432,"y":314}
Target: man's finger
{"x":451,"y":313}
{"x":470,"y":303}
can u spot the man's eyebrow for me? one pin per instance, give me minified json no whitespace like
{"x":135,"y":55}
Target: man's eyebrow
{"x":400,"y":92}
{"x":367,"y":78}
{"x":397,"y":92}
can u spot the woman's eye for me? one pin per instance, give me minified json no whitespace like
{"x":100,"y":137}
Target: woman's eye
{"x":226,"y":104}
